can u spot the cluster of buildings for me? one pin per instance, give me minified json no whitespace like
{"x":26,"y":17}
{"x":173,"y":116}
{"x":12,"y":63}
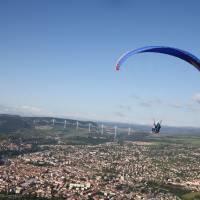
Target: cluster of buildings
{"x":10,"y":146}
{"x":105,"y":171}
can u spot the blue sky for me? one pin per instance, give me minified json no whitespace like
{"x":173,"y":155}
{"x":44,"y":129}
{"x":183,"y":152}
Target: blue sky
{"x":58,"y":58}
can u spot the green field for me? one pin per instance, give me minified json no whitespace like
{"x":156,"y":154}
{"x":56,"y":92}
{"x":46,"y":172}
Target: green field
{"x":184,"y":140}
{"x":191,"y":196}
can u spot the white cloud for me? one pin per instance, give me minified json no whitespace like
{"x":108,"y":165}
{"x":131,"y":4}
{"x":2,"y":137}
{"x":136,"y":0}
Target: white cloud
{"x":143,"y":102}
{"x":30,"y":109}
{"x":125,"y":107}
{"x":146,"y":104}
{"x":120,"y":114}
{"x":176,"y":105}
{"x":196,"y":98}
{"x":21,"y":110}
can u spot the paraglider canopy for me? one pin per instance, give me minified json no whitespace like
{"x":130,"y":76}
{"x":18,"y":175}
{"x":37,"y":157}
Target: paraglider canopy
{"x":184,"y":55}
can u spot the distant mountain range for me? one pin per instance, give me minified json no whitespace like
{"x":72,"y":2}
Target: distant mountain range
{"x":169,"y":130}
{"x":13,"y":123}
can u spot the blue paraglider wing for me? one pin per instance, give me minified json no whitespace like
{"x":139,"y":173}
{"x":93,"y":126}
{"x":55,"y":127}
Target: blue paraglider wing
{"x":184,"y":55}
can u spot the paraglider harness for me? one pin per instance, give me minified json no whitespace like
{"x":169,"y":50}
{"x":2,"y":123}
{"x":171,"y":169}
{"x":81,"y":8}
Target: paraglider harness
{"x":157,"y":127}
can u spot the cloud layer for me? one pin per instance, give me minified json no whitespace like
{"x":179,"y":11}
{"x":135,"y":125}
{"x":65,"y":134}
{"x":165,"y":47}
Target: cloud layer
{"x":21,"y":110}
{"x":196,"y":98}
